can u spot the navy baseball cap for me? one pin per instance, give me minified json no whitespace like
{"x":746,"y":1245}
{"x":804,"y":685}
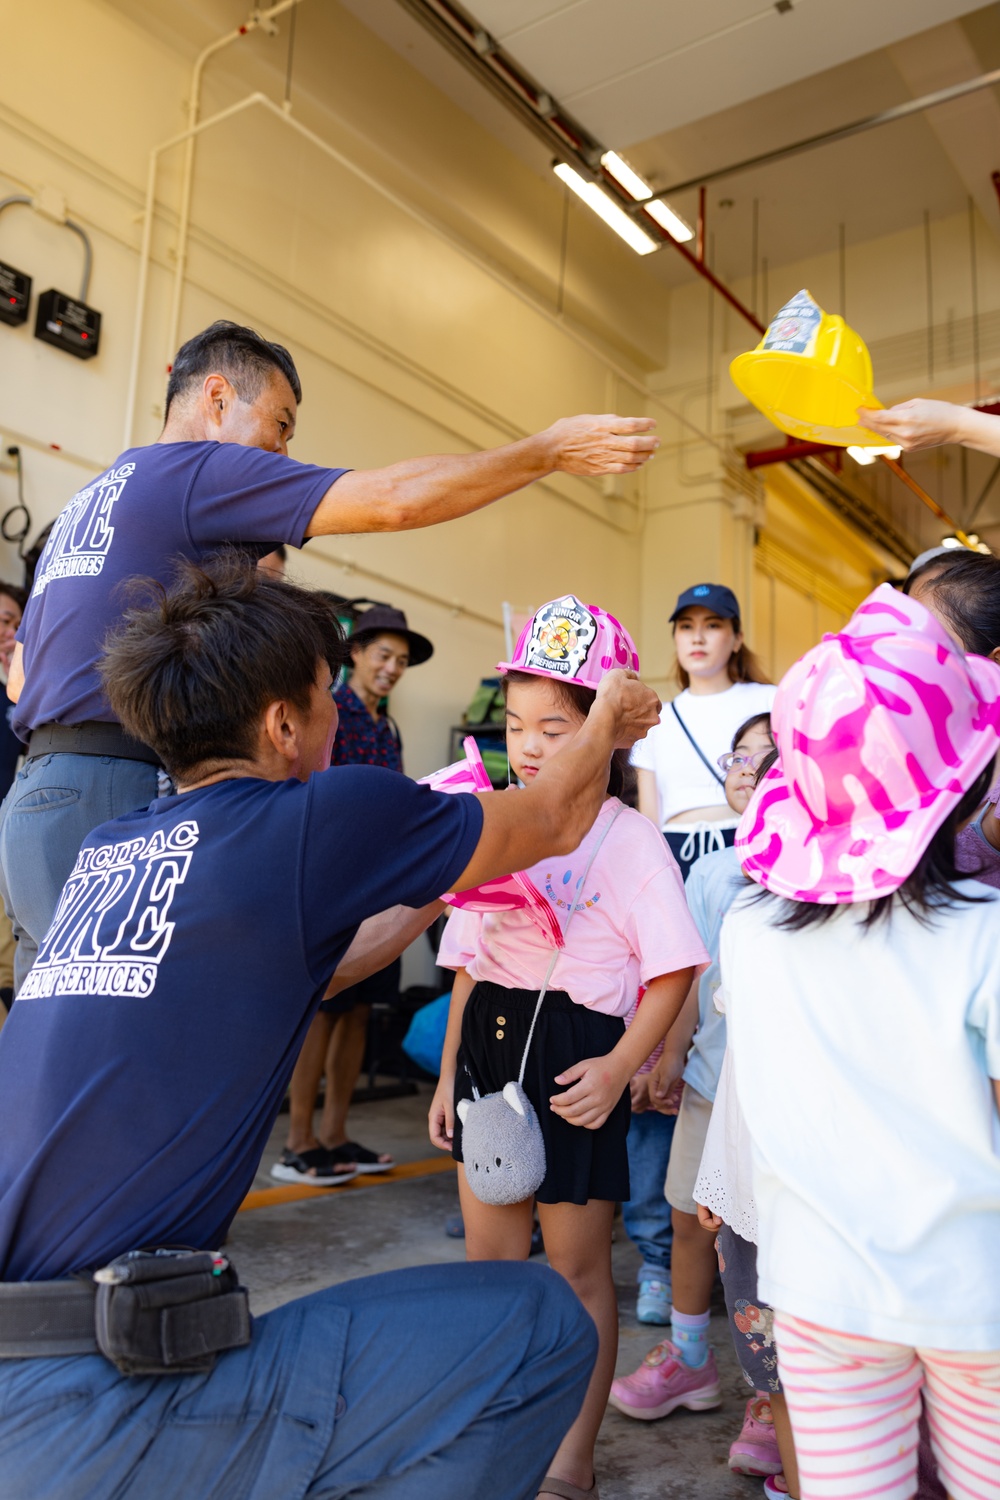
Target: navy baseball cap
{"x":714,"y":596}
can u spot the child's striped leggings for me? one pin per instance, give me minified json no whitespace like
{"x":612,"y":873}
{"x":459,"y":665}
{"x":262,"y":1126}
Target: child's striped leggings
{"x":855,"y":1405}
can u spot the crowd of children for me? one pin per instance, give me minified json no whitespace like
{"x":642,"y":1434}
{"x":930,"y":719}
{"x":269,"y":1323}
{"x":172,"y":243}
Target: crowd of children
{"x":824,"y":992}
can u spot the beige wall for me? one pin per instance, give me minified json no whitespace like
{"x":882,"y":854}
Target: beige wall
{"x":423,"y":324}
{"x":406,"y":344}
{"x":417,"y":284}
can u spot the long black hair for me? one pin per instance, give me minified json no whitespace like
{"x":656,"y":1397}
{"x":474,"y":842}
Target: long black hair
{"x":966,"y":590}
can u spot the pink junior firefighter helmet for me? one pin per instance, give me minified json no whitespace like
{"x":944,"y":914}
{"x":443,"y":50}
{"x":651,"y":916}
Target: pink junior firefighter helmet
{"x":573,"y":642}
{"x":881,"y":730}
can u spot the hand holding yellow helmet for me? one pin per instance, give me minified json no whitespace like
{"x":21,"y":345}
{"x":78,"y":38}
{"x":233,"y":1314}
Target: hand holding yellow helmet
{"x":809,"y":374}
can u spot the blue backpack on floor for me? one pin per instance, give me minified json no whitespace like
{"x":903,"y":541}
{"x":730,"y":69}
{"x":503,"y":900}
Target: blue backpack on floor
{"x":424,"y":1040}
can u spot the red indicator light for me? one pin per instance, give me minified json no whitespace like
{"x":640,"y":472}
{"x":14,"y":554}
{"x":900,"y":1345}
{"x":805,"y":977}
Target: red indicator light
{"x":84,"y":335}
{"x":13,"y":299}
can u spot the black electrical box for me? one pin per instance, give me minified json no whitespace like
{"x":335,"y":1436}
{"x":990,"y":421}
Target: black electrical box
{"x":68,"y":324}
{"x":15,"y":294}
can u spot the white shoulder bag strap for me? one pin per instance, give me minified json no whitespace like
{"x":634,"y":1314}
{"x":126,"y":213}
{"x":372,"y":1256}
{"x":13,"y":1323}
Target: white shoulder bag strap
{"x":572,"y":911}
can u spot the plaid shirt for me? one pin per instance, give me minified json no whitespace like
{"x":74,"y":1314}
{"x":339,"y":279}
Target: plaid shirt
{"x":362,"y":740}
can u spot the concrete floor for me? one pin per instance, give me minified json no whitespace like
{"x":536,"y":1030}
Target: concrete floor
{"x":291,"y":1248}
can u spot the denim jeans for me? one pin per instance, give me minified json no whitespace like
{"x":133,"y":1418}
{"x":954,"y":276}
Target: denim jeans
{"x":646,"y":1215}
{"x":55,"y":801}
{"x":426,"y":1384}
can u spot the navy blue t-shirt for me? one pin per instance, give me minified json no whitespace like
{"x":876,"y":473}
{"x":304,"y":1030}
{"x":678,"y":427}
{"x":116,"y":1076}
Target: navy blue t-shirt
{"x":153,"y":505}
{"x":148,"y":1051}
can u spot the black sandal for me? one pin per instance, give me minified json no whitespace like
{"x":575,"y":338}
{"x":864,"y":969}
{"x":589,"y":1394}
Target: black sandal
{"x":317,"y":1167}
{"x":366,"y":1160}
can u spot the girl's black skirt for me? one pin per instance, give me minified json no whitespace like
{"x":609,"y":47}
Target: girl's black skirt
{"x":579,"y":1164}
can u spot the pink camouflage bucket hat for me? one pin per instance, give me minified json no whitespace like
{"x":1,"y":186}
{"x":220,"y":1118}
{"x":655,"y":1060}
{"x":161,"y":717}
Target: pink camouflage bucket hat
{"x":881,"y":730}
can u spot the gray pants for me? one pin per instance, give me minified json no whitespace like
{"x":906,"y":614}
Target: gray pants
{"x":55,"y":801}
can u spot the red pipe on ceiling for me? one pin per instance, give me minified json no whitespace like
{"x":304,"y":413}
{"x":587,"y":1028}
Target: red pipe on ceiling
{"x":786,"y":454}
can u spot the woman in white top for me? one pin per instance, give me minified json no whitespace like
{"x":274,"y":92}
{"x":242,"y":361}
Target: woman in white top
{"x":681,"y":788}
{"x":682,"y":791}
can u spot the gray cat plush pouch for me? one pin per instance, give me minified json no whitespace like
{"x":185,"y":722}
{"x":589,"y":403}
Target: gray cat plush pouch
{"x":502,"y":1146}
{"x":502,"y":1142}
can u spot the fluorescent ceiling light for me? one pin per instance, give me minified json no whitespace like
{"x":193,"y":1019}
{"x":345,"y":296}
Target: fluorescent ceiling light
{"x":626,"y":175}
{"x":676,"y":227}
{"x":869,"y":455}
{"x":630,"y":180}
{"x":971,"y":541}
{"x":616,"y":218}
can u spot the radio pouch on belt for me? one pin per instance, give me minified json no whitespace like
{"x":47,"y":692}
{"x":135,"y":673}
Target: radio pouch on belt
{"x":169,"y":1312}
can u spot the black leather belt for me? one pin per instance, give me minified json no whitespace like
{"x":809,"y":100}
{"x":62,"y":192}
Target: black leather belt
{"x":90,"y":738}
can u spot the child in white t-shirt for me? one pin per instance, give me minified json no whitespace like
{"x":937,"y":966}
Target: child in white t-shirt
{"x":863,"y":1017}
{"x":681,"y":1371}
{"x":625,"y":924}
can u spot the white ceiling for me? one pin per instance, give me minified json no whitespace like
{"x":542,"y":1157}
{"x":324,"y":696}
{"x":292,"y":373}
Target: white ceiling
{"x":776,"y":80}
{"x":630,"y":69}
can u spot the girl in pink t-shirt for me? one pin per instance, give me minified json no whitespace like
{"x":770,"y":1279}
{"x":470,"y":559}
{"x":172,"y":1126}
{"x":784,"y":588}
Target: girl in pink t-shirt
{"x":630,"y":927}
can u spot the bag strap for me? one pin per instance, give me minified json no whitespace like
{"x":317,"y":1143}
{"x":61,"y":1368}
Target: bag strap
{"x":713,"y":770}
{"x":572,"y":912}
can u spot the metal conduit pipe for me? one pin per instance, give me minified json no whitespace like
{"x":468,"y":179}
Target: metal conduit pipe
{"x":537,"y":108}
{"x":262,"y":18}
{"x":88,"y":256}
{"x":350,"y":566}
{"x":78,"y":229}
{"x":145,"y":249}
{"x":828,"y":137}
{"x":256,"y":20}
{"x":426,"y":220}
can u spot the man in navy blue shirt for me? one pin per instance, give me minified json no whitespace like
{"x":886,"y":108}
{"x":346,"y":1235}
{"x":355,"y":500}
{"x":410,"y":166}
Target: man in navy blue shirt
{"x":146,"y":1055}
{"x":219,"y":473}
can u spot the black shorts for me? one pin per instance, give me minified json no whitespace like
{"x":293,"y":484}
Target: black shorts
{"x":382,"y":986}
{"x":678,"y":839}
{"x":579,"y":1164}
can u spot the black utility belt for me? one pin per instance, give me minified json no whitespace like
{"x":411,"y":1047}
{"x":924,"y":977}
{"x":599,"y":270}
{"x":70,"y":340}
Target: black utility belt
{"x":94,"y":737}
{"x":150,"y":1312}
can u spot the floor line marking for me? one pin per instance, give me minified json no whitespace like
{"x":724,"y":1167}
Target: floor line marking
{"x":293,"y":1192}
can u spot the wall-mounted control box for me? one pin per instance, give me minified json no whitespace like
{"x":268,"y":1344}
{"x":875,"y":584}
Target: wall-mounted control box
{"x":15,"y":294}
{"x":68,"y":324}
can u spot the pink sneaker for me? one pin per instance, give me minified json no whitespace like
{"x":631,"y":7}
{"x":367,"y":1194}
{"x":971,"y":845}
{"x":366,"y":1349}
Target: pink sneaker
{"x":775,"y":1487}
{"x":755,"y":1451}
{"x":662,"y":1382}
